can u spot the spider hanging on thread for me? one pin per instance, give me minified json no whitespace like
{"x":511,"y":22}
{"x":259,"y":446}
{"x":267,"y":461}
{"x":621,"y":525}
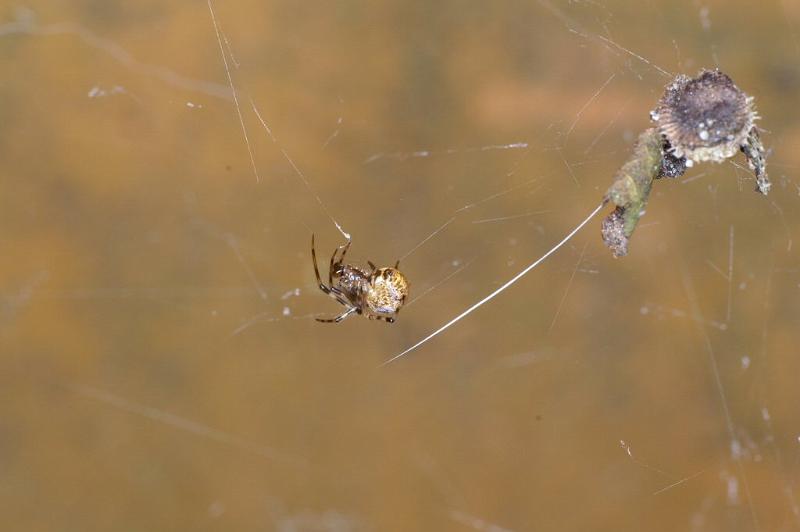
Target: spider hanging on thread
{"x":378,"y":294}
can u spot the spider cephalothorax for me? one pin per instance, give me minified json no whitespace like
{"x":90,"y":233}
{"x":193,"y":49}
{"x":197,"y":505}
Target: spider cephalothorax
{"x":378,"y":294}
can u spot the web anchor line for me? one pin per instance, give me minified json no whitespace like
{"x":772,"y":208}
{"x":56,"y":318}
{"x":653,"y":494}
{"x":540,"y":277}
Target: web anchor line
{"x":220,"y":38}
{"x":297,"y":171}
{"x":499,"y":290}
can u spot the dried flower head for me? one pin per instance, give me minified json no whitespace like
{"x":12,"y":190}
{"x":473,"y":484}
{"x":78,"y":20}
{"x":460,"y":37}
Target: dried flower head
{"x":707,"y":118}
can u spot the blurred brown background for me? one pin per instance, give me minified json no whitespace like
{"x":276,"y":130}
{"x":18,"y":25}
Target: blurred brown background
{"x":160,"y":366}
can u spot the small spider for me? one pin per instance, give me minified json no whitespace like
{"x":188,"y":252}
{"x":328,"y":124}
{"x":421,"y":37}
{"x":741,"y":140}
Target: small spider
{"x":378,"y":295}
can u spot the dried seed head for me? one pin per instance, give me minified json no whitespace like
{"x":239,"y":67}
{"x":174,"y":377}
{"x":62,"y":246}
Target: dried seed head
{"x":707,"y":118}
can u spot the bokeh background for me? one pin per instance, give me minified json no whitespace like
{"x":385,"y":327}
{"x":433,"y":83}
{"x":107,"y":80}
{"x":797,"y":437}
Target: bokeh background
{"x":160,"y":366}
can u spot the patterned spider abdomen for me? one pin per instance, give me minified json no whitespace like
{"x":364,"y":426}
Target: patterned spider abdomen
{"x":388,"y":290}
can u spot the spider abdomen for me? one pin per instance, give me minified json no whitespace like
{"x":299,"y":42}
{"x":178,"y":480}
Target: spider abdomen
{"x":388,"y":290}
{"x":377,"y":295}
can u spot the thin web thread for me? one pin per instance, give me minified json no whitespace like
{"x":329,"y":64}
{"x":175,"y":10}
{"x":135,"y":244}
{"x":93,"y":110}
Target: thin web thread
{"x":297,"y":170}
{"x":496,"y":292}
{"x":233,"y":92}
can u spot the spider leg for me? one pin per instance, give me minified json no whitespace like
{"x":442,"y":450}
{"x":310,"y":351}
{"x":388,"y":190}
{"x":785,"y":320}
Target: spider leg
{"x":322,"y":286}
{"x":330,"y":290}
{"x":338,"y":295}
{"x":397,"y":264}
{"x":340,"y":317}
{"x":372,"y":265}
{"x":343,"y":247}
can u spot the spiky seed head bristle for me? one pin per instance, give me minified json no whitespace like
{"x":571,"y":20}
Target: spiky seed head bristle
{"x":707,"y":118}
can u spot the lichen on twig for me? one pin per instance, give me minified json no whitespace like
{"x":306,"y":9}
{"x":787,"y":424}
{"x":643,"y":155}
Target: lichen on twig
{"x":630,"y":191}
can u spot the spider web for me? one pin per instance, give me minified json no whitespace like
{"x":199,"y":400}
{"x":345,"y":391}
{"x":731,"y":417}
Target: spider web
{"x":167,"y":163}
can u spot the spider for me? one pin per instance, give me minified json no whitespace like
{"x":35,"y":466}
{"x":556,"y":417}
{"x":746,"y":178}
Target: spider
{"x":378,"y":295}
